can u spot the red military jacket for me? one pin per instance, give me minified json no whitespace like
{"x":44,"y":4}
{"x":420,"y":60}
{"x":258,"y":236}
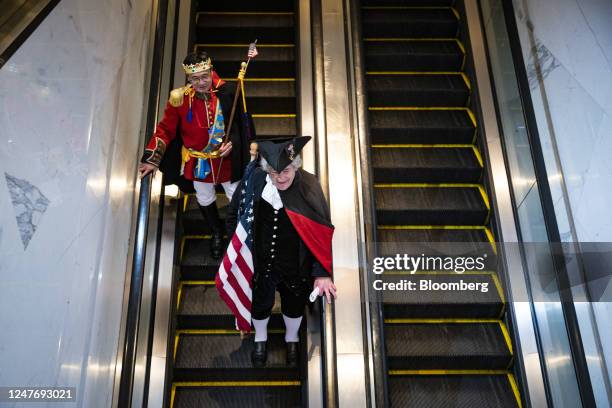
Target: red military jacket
{"x":194,"y":133}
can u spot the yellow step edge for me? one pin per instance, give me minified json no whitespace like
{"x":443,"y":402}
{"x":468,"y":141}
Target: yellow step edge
{"x":506,"y":334}
{"x":484,"y":228}
{"x":236,"y":383}
{"x":406,"y":7}
{"x":455,"y":12}
{"x":515,"y":390}
{"x":466,"y":80}
{"x":448,"y":372}
{"x":414,"y":73}
{"x":427,"y":185}
{"x":432,"y":227}
{"x":441,"y":320}
{"x":427,"y":108}
{"x":502,"y":325}
{"x":421,"y":146}
{"x":245,"y":13}
{"x":195,"y":46}
{"x":198,"y":282}
{"x":424,"y":39}
{"x":478,"y":155}
{"x":220,"y":331}
{"x":273,"y":115}
{"x":484,"y":196}
{"x":261,"y":79}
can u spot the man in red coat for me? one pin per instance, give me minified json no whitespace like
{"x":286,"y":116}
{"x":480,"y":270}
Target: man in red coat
{"x":201,"y":112}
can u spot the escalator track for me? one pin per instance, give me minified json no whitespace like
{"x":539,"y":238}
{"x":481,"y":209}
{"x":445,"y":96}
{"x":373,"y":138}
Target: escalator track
{"x":442,"y":349}
{"x":211,"y":363}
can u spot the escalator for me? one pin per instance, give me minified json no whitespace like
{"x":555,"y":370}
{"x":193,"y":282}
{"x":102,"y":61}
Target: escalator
{"x":430,"y":188}
{"x":211,"y":363}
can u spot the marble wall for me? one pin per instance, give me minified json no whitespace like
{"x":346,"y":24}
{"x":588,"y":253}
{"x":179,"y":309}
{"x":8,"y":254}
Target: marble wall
{"x":567,"y":46}
{"x":71,"y":105}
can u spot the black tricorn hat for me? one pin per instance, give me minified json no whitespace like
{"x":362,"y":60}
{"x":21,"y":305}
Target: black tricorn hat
{"x":280,"y":152}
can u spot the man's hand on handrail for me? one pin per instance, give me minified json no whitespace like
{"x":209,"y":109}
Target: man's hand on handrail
{"x":146,"y":168}
{"x":326,"y":287}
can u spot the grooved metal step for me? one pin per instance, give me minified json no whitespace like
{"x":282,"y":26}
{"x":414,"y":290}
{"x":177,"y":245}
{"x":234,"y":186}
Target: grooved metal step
{"x":430,"y":206}
{"x":409,"y":23}
{"x":425,"y":165}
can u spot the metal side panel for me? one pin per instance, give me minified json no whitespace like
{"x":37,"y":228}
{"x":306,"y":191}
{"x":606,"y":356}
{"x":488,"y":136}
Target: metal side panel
{"x":517,"y":286}
{"x":163,"y":309}
{"x":337,"y":163}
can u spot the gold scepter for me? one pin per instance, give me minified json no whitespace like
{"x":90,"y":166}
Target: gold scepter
{"x":239,"y":88}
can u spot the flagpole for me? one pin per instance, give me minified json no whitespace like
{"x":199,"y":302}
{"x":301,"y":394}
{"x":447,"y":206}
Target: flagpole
{"x":241,"y":74}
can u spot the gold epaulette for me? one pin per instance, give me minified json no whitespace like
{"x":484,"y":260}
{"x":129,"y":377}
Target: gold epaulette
{"x":177,"y":96}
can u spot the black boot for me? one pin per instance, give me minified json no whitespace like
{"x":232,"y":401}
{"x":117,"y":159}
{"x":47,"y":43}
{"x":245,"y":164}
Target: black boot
{"x":211,"y":216}
{"x":259,"y":356}
{"x":292,"y":354}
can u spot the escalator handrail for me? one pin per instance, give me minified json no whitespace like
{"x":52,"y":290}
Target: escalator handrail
{"x":21,"y":24}
{"x":138,"y":262}
{"x":552,"y":228}
{"x":380,"y":397}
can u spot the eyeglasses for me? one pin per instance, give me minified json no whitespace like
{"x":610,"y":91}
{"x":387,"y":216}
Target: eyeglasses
{"x":203,"y":78}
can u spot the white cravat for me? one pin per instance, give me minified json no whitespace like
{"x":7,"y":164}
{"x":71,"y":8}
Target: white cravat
{"x":270,"y":194}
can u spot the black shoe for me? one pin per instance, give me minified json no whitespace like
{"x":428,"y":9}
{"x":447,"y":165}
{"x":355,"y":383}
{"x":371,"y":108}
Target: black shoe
{"x":259,"y":356}
{"x":292,"y":353}
{"x":211,"y":216}
{"x":217,"y":245}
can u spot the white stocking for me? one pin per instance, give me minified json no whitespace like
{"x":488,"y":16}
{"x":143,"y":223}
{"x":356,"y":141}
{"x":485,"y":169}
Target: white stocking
{"x":292,"y":325}
{"x":261,"y":329}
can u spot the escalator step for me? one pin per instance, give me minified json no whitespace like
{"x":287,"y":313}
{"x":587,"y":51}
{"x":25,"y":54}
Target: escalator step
{"x":267,"y":105}
{"x":409,"y":3}
{"x":274,"y":127}
{"x":452,"y":346}
{"x":459,"y":391}
{"x":391,"y":242}
{"x":245,"y":5}
{"x":196,"y":262}
{"x":409,"y":23}
{"x":202,"y":308}
{"x":270,"y":89}
{"x":244,"y":34}
{"x":238,"y":397}
{"x":418,"y":127}
{"x":413,"y":56}
{"x":228,"y":356}
{"x":425,"y":165}
{"x":430,"y":206}
{"x":272,"y":61}
{"x":194,"y":224}
{"x":225,"y":53}
{"x":261,"y":69}
{"x":442,"y":304}
{"x":417,"y":90}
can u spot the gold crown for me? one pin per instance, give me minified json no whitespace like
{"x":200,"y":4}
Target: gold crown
{"x":198,"y":67}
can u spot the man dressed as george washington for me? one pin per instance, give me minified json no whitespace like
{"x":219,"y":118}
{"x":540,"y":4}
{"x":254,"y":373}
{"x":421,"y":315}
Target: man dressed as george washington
{"x":292,"y":234}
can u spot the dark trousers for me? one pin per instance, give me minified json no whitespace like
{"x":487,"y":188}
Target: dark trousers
{"x":293,"y":293}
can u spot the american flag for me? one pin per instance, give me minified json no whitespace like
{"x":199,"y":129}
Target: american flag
{"x":235,"y":273}
{"x":252,"y":50}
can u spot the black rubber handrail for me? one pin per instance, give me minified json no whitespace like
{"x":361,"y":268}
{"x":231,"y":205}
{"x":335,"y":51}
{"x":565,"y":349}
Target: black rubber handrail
{"x":550,"y":221}
{"x":126,"y":384}
{"x":18,"y":21}
{"x":376,"y":324}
